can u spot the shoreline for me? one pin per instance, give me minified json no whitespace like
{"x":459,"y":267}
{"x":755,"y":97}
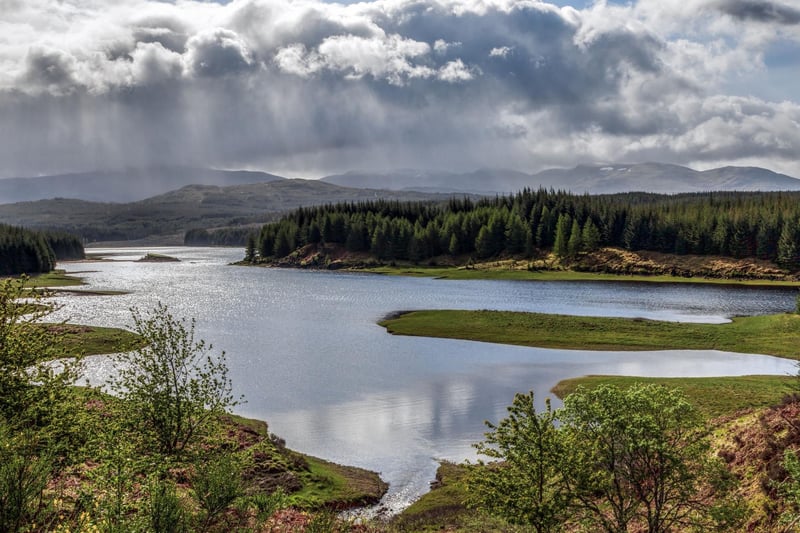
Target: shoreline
{"x":777,"y":335}
{"x":314,"y":483}
{"x":606,"y":264}
{"x":596,"y":277}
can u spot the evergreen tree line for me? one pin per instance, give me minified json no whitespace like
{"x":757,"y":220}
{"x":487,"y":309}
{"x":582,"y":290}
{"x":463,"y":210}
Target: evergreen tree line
{"x":234,"y":236}
{"x":26,"y":251}
{"x":763,"y":225}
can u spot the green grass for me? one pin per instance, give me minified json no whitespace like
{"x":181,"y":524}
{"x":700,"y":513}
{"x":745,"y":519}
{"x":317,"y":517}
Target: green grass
{"x":158,"y":258}
{"x":56,"y":278}
{"x":74,"y":340}
{"x":93,"y":292}
{"x":327,"y":484}
{"x":324,"y":484}
{"x":777,"y":335}
{"x":444,"y":508}
{"x":461,"y":273}
{"x":713,"y":397}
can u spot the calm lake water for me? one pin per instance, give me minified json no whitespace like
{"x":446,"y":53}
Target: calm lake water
{"x":304,"y":349}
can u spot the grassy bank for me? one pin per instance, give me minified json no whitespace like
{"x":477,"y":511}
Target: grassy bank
{"x":443,"y":508}
{"x":75,"y":340}
{"x":605,"y":264}
{"x":260,"y":476}
{"x":310,"y":482}
{"x":56,"y":278}
{"x":713,"y":397}
{"x":516,"y":274}
{"x":777,"y":335}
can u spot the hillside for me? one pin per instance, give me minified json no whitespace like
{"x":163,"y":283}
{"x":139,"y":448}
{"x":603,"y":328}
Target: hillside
{"x":193,"y":206}
{"x":592,"y":179}
{"x":127,"y":185}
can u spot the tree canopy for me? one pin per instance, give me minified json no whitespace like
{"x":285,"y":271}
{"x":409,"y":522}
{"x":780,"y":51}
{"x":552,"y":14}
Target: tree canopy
{"x":617,"y":459}
{"x":24,"y":251}
{"x":763,"y":225}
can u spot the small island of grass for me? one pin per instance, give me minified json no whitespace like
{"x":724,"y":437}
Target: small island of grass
{"x":777,"y":335}
{"x":157,"y":258}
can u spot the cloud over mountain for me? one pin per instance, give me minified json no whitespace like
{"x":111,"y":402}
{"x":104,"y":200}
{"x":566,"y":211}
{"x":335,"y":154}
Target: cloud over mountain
{"x":306,"y":86}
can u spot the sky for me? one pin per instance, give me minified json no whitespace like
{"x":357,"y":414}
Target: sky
{"x":305,"y":88}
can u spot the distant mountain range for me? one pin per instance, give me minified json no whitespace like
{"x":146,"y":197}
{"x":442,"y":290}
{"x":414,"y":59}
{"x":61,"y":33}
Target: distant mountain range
{"x":593,"y":179}
{"x":127,"y":185}
{"x":138,"y":203}
{"x":133,"y":185}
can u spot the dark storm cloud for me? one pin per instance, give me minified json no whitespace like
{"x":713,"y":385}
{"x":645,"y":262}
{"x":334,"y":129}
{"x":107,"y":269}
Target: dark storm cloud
{"x":761,"y":11}
{"x":217,"y":52}
{"x":50,"y":69}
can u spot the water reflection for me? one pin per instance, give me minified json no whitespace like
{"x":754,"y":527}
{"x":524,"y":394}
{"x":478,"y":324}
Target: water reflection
{"x":305,"y":351}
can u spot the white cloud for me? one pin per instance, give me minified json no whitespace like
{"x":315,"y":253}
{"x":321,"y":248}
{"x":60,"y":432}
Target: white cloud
{"x":441,"y":47}
{"x":462,"y":83}
{"x":152,"y":63}
{"x":500,"y":51}
{"x":455,"y":71}
{"x":391,"y":58}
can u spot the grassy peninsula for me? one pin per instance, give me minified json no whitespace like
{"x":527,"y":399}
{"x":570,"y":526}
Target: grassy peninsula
{"x":74,"y":340}
{"x":777,"y":335}
{"x":54,"y":278}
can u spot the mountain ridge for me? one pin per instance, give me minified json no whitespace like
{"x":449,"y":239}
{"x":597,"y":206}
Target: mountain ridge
{"x":592,"y":179}
{"x":138,"y":184}
{"x":123,"y":186}
{"x":191,"y":207}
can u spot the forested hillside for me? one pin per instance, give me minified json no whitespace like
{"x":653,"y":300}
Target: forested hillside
{"x":763,"y":225}
{"x":188,"y":208}
{"x":25,"y":251}
{"x":232,"y":236}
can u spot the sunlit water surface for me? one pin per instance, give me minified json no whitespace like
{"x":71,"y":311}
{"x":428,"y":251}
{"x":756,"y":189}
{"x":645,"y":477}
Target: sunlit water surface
{"x":304,"y":349}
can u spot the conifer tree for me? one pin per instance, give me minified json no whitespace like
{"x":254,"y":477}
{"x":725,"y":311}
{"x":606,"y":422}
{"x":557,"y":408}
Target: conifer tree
{"x":575,"y":244}
{"x":563,"y":227}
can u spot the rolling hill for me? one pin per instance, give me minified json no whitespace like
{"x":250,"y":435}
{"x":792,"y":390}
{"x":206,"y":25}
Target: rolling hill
{"x":193,"y":206}
{"x":592,"y":179}
{"x":127,"y":185}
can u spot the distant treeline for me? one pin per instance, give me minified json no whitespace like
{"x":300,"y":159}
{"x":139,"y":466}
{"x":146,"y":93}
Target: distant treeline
{"x":218,"y":237}
{"x":26,"y":251}
{"x":763,"y":225}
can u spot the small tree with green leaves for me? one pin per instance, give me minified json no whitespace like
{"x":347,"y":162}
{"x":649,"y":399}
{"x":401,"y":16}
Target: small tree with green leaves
{"x":217,"y":485}
{"x":32,"y":388}
{"x":163,"y":510}
{"x":612,"y":459}
{"x":25,"y":470}
{"x":638,"y":455}
{"x":523,"y":484}
{"x":174,"y":386}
